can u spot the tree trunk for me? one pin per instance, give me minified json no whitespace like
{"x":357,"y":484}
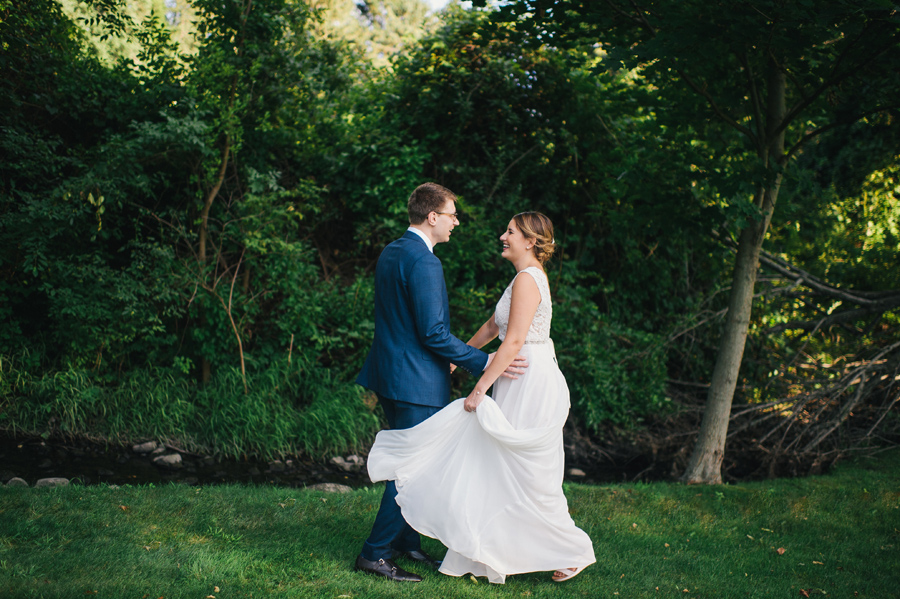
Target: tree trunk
{"x":205,"y":365}
{"x":705,"y":465}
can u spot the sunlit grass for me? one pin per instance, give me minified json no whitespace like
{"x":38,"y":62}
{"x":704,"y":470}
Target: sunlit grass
{"x":840,"y":535}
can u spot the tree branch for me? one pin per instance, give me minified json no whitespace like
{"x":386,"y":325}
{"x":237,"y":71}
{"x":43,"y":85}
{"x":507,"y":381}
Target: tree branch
{"x":228,"y":312}
{"x":837,"y":318}
{"x":719,"y":112}
{"x":506,"y":170}
{"x":640,"y":21}
{"x":830,"y":126}
{"x":832,"y":82}
{"x":754,"y":93}
{"x":210,"y":198}
{"x":885,"y":302}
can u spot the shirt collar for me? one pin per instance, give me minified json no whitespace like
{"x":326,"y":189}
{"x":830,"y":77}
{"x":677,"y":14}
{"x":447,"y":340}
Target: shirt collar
{"x":424,"y":238}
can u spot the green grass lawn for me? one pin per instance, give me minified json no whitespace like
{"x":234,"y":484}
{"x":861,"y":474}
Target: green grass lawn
{"x":840,"y":536}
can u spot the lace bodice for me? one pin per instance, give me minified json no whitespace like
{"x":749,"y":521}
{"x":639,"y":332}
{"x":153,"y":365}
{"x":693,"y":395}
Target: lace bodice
{"x":539,"y":331}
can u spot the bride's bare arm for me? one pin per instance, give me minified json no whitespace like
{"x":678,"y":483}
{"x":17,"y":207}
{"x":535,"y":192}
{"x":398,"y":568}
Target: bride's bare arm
{"x":526,"y":297}
{"x":488,"y":331}
{"x":485,"y":334}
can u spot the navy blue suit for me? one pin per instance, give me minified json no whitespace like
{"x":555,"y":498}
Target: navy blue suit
{"x":408,"y":366}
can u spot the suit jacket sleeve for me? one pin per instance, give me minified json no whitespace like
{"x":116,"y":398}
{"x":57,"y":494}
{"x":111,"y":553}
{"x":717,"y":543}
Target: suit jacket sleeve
{"x":428,"y":293}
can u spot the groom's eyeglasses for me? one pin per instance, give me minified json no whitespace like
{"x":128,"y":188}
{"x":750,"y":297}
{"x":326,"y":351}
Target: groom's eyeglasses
{"x":453,"y":215}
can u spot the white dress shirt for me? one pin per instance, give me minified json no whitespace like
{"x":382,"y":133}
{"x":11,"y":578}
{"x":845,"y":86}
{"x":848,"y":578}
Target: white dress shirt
{"x":423,"y":236}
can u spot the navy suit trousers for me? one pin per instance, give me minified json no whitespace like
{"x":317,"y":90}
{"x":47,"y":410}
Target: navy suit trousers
{"x":390,"y":532}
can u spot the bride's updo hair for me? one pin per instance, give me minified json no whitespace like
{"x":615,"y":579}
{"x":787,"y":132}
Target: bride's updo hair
{"x":538,"y":227}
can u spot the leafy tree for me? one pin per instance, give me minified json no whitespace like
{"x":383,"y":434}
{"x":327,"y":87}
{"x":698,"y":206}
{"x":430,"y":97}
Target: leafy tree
{"x":113,"y":28}
{"x":108,"y":169}
{"x":756,"y":81}
{"x":378,"y":29}
{"x":78,"y":280}
{"x":512,"y":128}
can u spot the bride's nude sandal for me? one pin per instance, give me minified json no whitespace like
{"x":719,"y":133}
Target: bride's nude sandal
{"x":566,"y":573}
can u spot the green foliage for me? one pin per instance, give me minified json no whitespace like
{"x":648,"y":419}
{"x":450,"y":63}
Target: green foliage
{"x":195,"y":198}
{"x":707,"y":65}
{"x":841,"y":220}
{"x":377,"y":29}
{"x":291,"y":407}
{"x":73,"y":284}
{"x":747,"y":88}
{"x":616,"y":375}
{"x":511,"y":128}
{"x":114,"y":30}
{"x":841,"y":233}
{"x":315,"y":160}
{"x":102,"y":288}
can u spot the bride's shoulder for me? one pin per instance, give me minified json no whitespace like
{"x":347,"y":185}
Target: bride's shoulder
{"x":535,"y":281}
{"x":537,"y":274}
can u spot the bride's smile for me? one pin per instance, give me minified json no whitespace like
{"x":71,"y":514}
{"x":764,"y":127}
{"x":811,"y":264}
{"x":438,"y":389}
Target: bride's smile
{"x":516,"y":247}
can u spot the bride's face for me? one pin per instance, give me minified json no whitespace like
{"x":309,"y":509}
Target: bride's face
{"x":515,"y":244}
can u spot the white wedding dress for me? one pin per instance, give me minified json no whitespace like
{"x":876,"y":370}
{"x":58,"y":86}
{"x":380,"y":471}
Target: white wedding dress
{"x":488,"y":485}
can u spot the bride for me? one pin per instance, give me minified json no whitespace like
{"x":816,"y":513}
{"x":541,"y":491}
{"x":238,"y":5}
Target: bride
{"x":484,"y":475}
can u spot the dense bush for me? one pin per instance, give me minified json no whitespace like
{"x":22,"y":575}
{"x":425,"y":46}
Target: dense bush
{"x":232,"y":211}
{"x":116,"y":297}
{"x":188,"y":241}
{"x":291,"y":407}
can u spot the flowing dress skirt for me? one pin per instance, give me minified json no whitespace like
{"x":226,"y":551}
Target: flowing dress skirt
{"x":488,"y":485}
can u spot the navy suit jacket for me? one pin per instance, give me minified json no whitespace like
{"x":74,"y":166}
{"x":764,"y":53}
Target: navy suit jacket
{"x":412,"y":350}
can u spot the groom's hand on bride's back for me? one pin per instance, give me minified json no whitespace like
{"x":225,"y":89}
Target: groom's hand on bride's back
{"x":516,"y":367}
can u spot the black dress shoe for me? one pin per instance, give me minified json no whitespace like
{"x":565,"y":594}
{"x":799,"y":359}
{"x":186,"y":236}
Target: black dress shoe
{"x":386,"y":568}
{"x":420,"y":557}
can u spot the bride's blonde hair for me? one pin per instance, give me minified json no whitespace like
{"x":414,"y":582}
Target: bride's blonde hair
{"x":538,"y":227}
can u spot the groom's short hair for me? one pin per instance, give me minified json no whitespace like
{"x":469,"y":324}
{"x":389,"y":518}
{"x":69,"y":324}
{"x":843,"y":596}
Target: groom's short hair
{"x":425,"y":199}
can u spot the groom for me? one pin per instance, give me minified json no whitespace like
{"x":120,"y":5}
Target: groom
{"x":408,"y":366}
